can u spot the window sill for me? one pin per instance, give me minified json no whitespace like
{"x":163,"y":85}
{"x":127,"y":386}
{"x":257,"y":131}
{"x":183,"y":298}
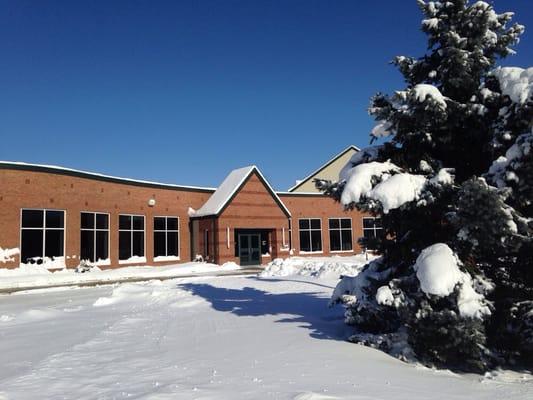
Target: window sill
{"x":311,"y":252}
{"x":133,"y":260}
{"x":340,"y":251}
{"x":166,"y":258}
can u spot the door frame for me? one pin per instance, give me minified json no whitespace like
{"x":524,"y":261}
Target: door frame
{"x":249,"y":235}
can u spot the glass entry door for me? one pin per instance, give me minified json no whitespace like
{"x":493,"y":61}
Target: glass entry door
{"x":250,"y":249}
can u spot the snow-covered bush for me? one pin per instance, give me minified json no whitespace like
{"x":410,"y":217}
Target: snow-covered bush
{"x":453,"y":182}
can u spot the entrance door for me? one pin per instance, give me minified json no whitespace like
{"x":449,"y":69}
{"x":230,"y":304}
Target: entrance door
{"x":250,"y":249}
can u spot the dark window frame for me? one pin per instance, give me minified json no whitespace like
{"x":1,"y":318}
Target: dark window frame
{"x":131,"y":230}
{"x":95,"y":229}
{"x":342,"y":231}
{"x":166,"y":232}
{"x":310,"y":231}
{"x":43,"y":228}
{"x":376,"y":231}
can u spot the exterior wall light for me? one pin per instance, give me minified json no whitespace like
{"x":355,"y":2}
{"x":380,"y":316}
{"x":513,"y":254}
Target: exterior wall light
{"x":151,"y":202}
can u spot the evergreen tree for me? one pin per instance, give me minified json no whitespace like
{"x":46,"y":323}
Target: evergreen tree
{"x":453,"y":183}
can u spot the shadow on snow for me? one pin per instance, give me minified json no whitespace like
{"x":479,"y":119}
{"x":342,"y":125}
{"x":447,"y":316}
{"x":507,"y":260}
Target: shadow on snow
{"x":308,"y":309}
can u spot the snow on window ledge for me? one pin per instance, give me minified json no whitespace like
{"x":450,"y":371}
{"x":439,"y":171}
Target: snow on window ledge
{"x":133,"y":260}
{"x":166,"y":258}
{"x":311,"y":252}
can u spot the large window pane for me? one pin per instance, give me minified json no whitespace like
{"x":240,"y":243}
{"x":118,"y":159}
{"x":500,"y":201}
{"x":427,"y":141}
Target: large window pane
{"x":316,"y":240}
{"x":159,"y":223}
{"x":138,"y":244}
{"x":55,"y":219}
{"x":124,"y":245}
{"x":172,"y":244}
{"x":315,"y":224}
{"x":102,"y":221}
{"x":32,"y":245}
{"x":138,"y":223}
{"x":87,"y":245}
{"x":305,"y":241}
{"x":32,"y":219}
{"x":172,"y":224}
{"x":335,"y":240}
{"x":346,"y":223}
{"x":87,"y":221}
{"x":53,"y":246}
{"x":102,"y":245}
{"x":159,"y":244}
{"x":124,"y":222}
{"x":368,"y":222}
{"x":347,"y":240}
{"x":333,"y":223}
{"x":304,"y":224}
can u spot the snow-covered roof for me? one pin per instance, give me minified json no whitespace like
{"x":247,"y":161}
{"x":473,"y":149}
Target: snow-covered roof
{"x":302,"y":181}
{"x":93,"y":175}
{"x":228,"y":188}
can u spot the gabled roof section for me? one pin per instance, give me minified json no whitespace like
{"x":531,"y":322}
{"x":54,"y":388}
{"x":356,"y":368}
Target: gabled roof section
{"x":229,"y":188}
{"x":324,"y":166}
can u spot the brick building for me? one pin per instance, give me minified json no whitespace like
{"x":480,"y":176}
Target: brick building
{"x":59,"y":216}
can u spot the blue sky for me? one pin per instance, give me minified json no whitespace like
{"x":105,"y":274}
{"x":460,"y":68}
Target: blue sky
{"x":184,"y":91}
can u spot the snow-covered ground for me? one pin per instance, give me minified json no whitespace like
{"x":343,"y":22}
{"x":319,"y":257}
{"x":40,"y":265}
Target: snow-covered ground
{"x":269,"y":337}
{"x":28,"y":276}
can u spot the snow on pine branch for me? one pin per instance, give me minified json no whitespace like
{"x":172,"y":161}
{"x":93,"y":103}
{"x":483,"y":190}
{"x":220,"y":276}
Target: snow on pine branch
{"x":387,"y":184}
{"x":515,"y":82}
{"x":437,"y":269}
{"x":501,"y":172}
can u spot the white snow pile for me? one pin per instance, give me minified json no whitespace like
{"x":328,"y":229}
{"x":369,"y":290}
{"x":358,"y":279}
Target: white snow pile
{"x":423,"y":91}
{"x":316,"y":267}
{"x":515,"y":82}
{"x":385,"y":183}
{"x":30,"y":276}
{"x":437,"y":269}
{"x":7,"y":255}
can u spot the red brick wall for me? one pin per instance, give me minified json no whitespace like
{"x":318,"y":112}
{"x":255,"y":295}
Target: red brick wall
{"x":316,"y":206}
{"x":28,"y":189}
{"x":253,"y":208}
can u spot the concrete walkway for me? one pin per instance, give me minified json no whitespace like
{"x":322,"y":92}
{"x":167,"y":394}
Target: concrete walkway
{"x":96,"y":282}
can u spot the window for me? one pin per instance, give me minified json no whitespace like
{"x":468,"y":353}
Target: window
{"x":310,"y":234}
{"x":340,"y":234}
{"x":130,"y":236}
{"x":166,"y":237}
{"x":94,"y":240}
{"x":42,"y":236}
{"x":372,"y":230}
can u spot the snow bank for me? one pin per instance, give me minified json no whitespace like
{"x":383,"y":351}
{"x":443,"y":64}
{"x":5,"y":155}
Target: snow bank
{"x":7,"y":255}
{"x":515,"y":82}
{"x":317,"y":267}
{"x":29,"y":276}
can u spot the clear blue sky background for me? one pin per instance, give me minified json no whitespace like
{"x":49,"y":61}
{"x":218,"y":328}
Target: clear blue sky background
{"x":184,"y":91}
